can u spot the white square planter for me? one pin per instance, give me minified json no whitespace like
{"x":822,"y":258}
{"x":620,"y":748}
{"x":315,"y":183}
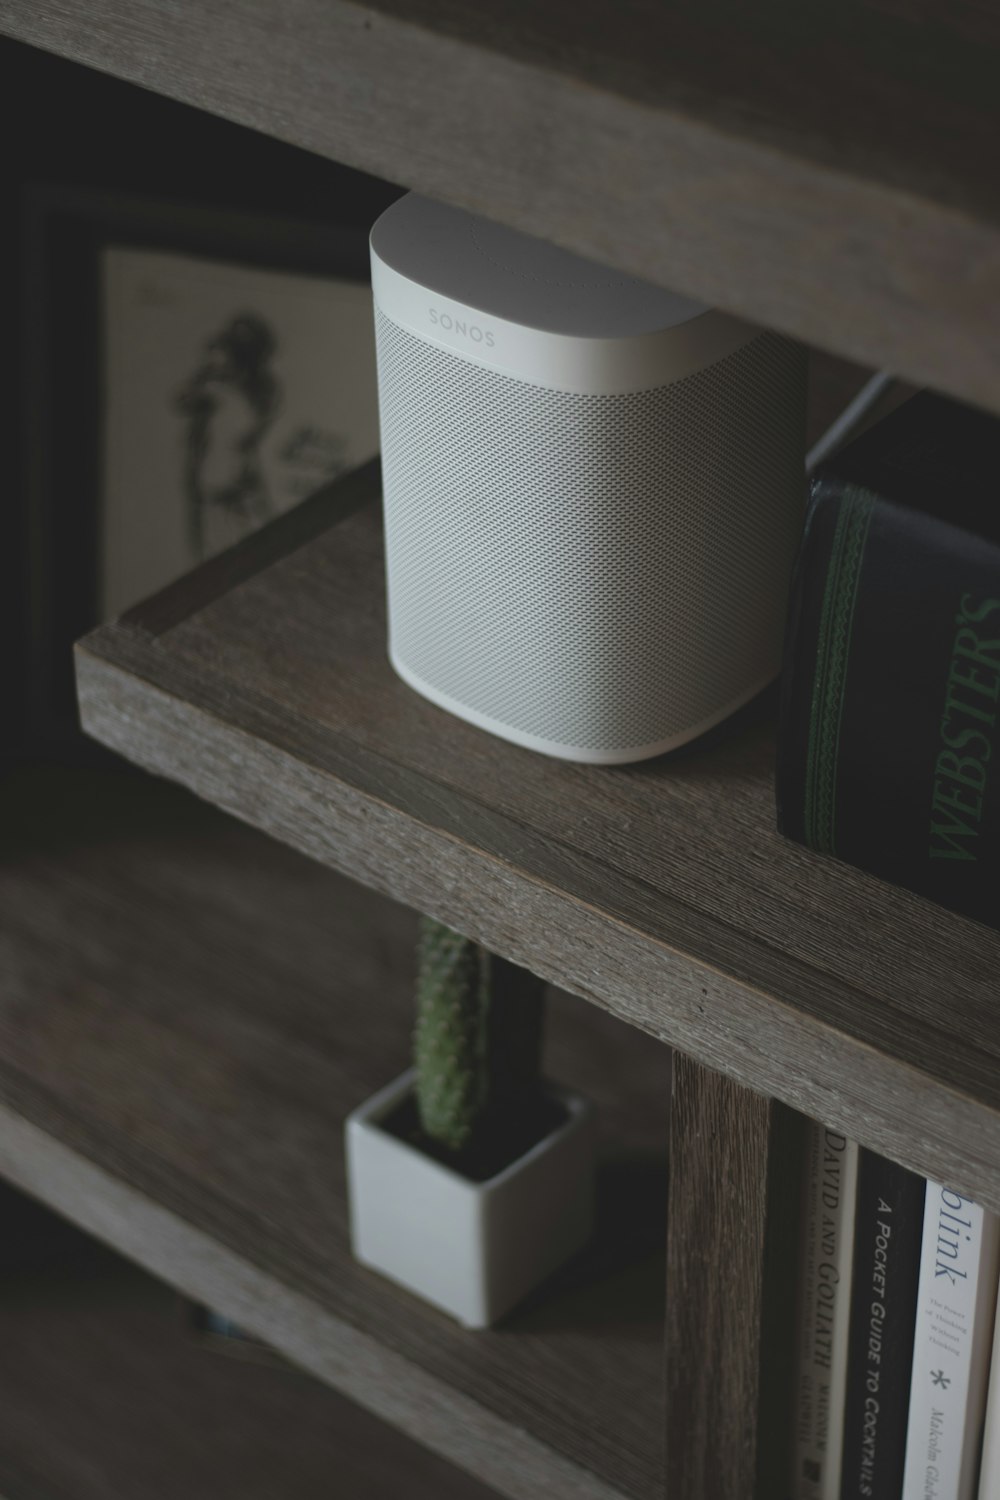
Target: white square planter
{"x":473,"y":1249}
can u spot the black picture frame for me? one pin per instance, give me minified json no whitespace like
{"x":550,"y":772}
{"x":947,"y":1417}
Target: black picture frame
{"x":56,"y":534}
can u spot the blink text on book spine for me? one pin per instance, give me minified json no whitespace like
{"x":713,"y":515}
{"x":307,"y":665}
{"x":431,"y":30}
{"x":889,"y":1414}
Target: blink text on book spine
{"x":956,"y":1299}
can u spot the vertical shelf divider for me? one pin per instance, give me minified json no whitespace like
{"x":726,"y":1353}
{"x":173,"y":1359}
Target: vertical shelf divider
{"x":731,"y":1246}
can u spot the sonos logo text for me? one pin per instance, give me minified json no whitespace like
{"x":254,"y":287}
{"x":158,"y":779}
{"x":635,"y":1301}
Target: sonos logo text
{"x":470,"y":331}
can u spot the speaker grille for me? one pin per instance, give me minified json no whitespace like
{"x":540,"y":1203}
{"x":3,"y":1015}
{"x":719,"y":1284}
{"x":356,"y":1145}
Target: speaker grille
{"x":601,"y":572}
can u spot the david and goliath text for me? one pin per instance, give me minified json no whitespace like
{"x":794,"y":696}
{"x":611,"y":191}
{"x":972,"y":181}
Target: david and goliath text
{"x":827,"y":1273}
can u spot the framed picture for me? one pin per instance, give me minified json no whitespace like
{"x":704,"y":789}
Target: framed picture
{"x":187,"y":375}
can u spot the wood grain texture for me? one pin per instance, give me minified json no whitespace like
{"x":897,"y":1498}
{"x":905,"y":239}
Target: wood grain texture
{"x":187,"y":1013}
{"x":719,"y":1139}
{"x":732,"y":1245}
{"x":832,"y":178}
{"x":661,"y":891}
{"x":106,"y":1394}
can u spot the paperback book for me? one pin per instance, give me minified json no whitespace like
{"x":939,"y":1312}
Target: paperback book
{"x":887,"y":1248}
{"x":956,"y":1302}
{"x":989,"y":1476}
{"x":826,"y":1255}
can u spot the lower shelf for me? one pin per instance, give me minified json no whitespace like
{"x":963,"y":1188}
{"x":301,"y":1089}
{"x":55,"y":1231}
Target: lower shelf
{"x":187,"y":1012}
{"x":105,"y":1393}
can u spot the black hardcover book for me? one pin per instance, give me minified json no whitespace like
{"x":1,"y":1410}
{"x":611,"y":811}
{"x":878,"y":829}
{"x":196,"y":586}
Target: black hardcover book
{"x":889,"y":744}
{"x":887,"y":1238}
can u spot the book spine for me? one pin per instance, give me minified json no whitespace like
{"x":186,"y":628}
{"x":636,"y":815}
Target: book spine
{"x":989,"y":1474}
{"x":956,"y":1300}
{"x":826,"y":1256}
{"x":887,"y":1241}
{"x":867,"y":765}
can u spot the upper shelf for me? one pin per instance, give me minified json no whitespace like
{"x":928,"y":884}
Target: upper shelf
{"x":834,"y":178}
{"x":661,"y":891}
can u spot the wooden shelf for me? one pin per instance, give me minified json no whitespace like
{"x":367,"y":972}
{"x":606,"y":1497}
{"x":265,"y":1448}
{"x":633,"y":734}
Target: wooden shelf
{"x":660,"y":891}
{"x":830,"y":177}
{"x":105,"y":1393}
{"x":187,"y":1012}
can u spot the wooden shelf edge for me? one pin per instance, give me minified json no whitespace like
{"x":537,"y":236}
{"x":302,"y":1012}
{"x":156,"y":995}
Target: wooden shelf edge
{"x":436,"y":1415}
{"x":683,"y":189}
{"x":685,"y":996}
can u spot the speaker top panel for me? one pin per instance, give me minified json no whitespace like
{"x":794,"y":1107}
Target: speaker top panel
{"x":524,"y":308}
{"x":518,"y":278}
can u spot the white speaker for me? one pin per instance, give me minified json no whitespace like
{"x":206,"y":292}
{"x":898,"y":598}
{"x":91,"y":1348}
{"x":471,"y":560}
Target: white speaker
{"x":593,"y":490}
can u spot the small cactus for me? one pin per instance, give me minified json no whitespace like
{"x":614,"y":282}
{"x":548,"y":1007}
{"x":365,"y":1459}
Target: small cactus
{"x":477,"y":1043}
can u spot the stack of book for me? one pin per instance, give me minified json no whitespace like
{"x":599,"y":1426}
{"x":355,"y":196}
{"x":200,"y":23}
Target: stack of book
{"x":888,"y":752}
{"x":896,"y":1312}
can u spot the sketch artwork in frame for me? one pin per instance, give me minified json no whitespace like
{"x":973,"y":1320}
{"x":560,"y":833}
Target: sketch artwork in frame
{"x":230,"y":394}
{"x":189,"y":374}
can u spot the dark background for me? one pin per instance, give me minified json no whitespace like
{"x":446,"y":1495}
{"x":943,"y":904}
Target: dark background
{"x":69,"y":128}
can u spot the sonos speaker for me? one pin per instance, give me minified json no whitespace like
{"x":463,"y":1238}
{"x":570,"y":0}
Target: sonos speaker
{"x":593,"y":490}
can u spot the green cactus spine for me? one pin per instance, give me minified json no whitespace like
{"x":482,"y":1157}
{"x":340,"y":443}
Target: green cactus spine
{"x":477,"y":1043}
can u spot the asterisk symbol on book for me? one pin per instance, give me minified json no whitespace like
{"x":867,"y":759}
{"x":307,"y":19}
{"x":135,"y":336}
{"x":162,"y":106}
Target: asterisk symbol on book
{"x":938,"y":1377}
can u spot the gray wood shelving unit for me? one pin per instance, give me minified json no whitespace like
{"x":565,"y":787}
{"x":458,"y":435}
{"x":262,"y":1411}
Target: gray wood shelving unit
{"x":836,"y":184}
{"x":661,"y":892}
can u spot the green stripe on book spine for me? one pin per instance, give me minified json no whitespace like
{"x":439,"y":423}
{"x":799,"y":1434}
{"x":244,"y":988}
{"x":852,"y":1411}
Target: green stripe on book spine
{"x":836,"y":623}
